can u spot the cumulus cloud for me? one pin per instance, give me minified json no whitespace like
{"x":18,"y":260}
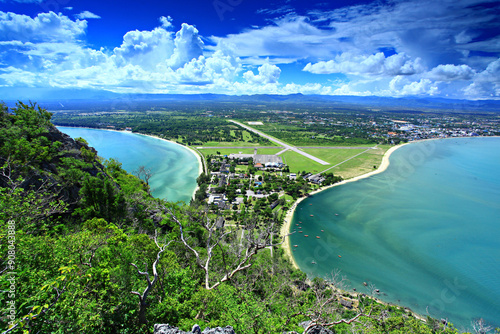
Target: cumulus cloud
{"x":268,"y":74}
{"x":377,"y":64}
{"x":188,"y":45}
{"x":402,"y":86}
{"x":45,"y":27}
{"x":87,"y":15}
{"x":486,"y":84}
{"x":156,"y":61}
{"x":145,"y":48}
{"x":451,"y":72}
{"x":166,"y":22}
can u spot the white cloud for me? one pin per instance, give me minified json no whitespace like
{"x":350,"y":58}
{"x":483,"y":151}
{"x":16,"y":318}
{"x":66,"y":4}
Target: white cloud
{"x":486,"y":84}
{"x":377,"y":64}
{"x":145,"y":48}
{"x":427,"y":29}
{"x":450,"y":72}
{"x":289,"y":38}
{"x":166,"y":22}
{"x":402,"y":86}
{"x":188,"y":46}
{"x":87,"y":15}
{"x":268,"y":74}
{"x":45,"y":27}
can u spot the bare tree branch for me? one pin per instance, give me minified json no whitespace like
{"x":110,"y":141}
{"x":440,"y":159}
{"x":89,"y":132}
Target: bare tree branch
{"x":150,"y":284}
{"x":216,"y":236}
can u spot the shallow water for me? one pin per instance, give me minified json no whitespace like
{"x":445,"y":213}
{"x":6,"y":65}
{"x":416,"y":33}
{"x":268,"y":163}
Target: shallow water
{"x":426,"y":232}
{"x":174,"y":168}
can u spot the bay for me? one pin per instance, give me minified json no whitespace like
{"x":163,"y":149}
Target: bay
{"x":174,"y":167}
{"x":426,"y":231}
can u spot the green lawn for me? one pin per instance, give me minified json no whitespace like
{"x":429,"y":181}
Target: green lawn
{"x":362,"y":164}
{"x":357,"y":166}
{"x":333,"y":156}
{"x":297,"y":162}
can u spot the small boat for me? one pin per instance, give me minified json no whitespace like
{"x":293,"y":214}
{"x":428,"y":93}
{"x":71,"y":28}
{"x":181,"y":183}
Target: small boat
{"x":296,"y":224}
{"x":336,"y":214}
{"x":317,"y":237}
{"x":300,"y":222}
{"x":312,"y":215}
{"x":322,"y":231}
{"x":295,"y":245}
{"x":310,"y":204}
{"x":340,"y":255}
{"x":365,"y":284}
{"x":301,"y":231}
{"x":313,"y":262}
{"x":300,"y":227}
{"x":306,"y":235}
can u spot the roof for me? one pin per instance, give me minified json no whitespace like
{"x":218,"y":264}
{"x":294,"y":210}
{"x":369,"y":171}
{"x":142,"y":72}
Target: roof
{"x":267,"y":158}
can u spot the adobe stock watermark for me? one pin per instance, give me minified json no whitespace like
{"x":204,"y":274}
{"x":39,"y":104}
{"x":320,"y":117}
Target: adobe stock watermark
{"x":11,"y":273}
{"x":223,"y":6}
{"x":448,"y":295}
{"x":53,"y":5}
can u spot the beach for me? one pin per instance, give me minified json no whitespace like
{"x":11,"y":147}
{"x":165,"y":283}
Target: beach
{"x":285,"y":228}
{"x":196,"y":154}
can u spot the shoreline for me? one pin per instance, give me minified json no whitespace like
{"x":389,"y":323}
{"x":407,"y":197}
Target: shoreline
{"x":285,"y":228}
{"x":198,"y":158}
{"x":284,"y":232}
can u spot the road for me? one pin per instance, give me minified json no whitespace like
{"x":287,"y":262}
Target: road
{"x":290,"y":147}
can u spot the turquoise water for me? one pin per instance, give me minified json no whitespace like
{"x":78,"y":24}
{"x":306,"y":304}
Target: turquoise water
{"x":174,"y":168}
{"x":426,"y":232}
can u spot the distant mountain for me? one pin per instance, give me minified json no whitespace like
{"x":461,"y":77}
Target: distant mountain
{"x":83,"y":99}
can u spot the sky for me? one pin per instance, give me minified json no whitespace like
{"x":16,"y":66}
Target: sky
{"x":396,"y":48}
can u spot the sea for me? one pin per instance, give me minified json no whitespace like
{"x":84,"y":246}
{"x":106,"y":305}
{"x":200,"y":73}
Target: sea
{"x":425,"y":232}
{"x":174,"y":167}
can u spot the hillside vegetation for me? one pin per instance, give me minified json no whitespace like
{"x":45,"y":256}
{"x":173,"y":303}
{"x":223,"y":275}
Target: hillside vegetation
{"x":84,"y":248}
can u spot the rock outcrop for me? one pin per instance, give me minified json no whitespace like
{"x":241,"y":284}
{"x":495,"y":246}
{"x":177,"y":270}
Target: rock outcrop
{"x":167,"y":329}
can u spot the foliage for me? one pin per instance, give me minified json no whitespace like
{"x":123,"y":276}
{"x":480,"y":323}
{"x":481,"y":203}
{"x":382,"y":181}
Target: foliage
{"x":75,"y":226}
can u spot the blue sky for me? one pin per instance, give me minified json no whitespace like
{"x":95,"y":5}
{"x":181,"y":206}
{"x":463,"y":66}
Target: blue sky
{"x":448,"y":48}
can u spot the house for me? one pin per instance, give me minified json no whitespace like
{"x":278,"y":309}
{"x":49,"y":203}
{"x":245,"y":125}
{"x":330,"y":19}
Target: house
{"x":317,"y":179}
{"x":259,"y":165}
{"x":292,"y":176}
{"x":275,"y":204}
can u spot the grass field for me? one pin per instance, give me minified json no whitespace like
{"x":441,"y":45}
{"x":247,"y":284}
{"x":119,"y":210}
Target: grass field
{"x":357,"y":166}
{"x":362,"y":164}
{"x":333,"y":156}
{"x":298,"y":163}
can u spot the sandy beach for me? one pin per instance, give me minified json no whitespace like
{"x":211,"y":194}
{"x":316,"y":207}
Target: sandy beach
{"x":196,"y":154}
{"x":285,"y":228}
